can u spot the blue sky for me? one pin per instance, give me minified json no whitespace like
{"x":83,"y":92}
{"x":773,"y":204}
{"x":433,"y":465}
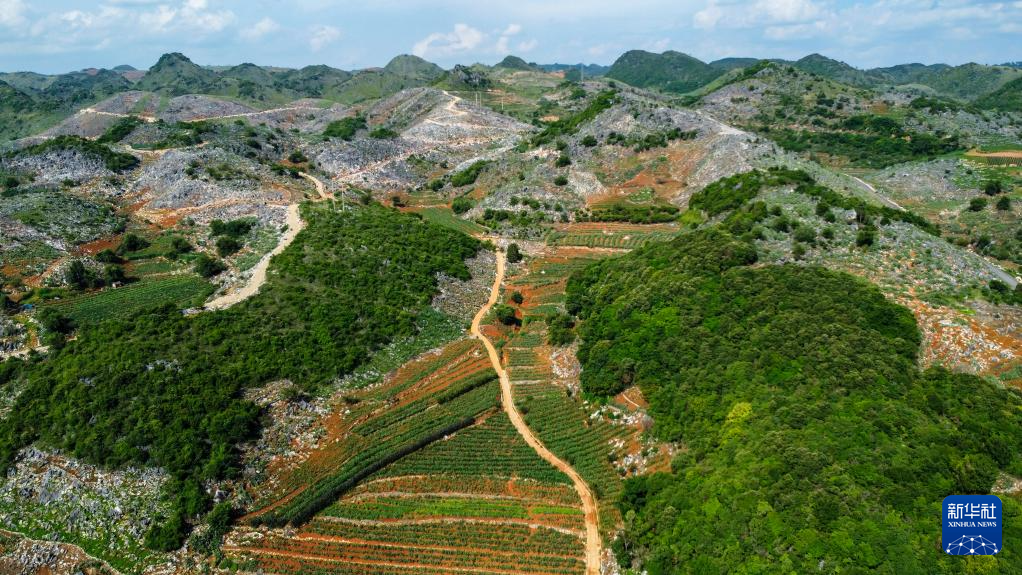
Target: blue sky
{"x":62,"y":35}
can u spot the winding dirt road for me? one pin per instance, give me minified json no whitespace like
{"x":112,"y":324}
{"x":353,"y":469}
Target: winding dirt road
{"x":589,"y":505}
{"x":295,"y":224}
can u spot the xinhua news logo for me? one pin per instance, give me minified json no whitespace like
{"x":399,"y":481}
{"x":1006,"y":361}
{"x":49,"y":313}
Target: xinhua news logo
{"x":972,"y":525}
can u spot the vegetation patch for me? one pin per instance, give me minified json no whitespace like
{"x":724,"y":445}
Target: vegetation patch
{"x":164,"y":389}
{"x":803,"y":376}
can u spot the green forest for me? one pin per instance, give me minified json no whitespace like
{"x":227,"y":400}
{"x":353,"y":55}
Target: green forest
{"x":164,"y":389}
{"x":811,"y":442}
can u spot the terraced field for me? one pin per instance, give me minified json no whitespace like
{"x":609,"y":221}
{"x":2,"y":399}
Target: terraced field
{"x":612,"y":236}
{"x":546,"y":398}
{"x":420,"y":474}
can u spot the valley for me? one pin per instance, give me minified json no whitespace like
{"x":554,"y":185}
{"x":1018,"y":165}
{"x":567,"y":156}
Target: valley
{"x":674,"y":317}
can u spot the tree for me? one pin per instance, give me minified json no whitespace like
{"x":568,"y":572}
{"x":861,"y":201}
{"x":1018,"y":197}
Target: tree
{"x":178,"y":246}
{"x":977,"y":204}
{"x":132,"y":243}
{"x":506,"y":315}
{"x":866,"y":237}
{"x":81,"y":277}
{"x":114,"y":273}
{"x":108,"y":256}
{"x":208,"y":267}
{"x":462,"y":204}
{"x":514,"y":254}
{"x":517,"y":298}
{"x":993,"y":187}
{"x":227,"y":246}
{"x":1004,"y":203}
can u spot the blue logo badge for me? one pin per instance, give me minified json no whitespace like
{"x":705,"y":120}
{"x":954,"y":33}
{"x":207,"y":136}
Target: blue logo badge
{"x":972,"y":525}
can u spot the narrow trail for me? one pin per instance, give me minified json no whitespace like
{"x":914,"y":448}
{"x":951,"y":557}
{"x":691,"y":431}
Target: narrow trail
{"x":883,"y":199}
{"x":295,"y":224}
{"x":589,"y":505}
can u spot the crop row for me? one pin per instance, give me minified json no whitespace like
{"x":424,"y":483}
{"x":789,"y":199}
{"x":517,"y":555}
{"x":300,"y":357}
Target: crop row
{"x":521,"y":537}
{"x":348,"y":560}
{"x":561,"y":424}
{"x":492,"y":449}
{"x":599,"y":240}
{"x":438,"y":506}
{"x":414,"y":372}
{"x":474,"y":480}
{"x":420,"y":424}
{"x":421,"y":553}
{"x":119,"y":303}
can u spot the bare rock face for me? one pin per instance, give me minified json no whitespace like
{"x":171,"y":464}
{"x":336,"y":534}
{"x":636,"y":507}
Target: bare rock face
{"x":58,"y":166}
{"x":435,"y":128}
{"x":207,"y":184}
{"x":195,"y":107}
{"x":46,"y":492}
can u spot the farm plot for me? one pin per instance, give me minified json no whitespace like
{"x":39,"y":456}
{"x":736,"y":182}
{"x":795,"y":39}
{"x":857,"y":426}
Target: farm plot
{"x":378,"y":441}
{"x":476,"y":499}
{"x":445,"y":217}
{"x":181,"y":290}
{"x":558,"y":417}
{"x":454,"y":364}
{"x":440,"y":547}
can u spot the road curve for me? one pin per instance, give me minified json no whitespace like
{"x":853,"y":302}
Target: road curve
{"x":295,"y":224}
{"x":589,"y":505}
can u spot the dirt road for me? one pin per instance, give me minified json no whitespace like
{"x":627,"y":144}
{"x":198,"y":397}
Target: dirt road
{"x":295,"y":224}
{"x":589,"y":505}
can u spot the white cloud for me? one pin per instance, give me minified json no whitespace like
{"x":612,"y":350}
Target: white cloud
{"x":195,"y":14}
{"x":786,"y":10}
{"x":657,"y":45}
{"x":527,"y":45}
{"x":158,"y":20}
{"x":323,"y":36}
{"x":261,"y":28}
{"x":462,"y":39}
{"x":12,"y":13}
{"x":503,"y":43}
{"x":708,"y":17}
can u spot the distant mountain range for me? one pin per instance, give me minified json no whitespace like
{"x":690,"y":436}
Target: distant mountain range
{"x":680,"y":73}
{"x":30,"y":102}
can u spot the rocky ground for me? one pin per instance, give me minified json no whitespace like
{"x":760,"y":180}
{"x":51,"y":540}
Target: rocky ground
{"x":106,"y":513}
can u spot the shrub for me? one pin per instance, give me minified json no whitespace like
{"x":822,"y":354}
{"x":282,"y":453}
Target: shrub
{"x":563,"y":160}
{"x":462,"y":204}
{"x":108,"y":256}
{"x":514,"y":254}
{"x":345,"y":128}
{"x":208,"y":267}
{"x":227,"y":246}
{"x":234,"y":228}
{"x":866,"y":237}
{"x":506,"y":315}
{"x":469,"y":175}
{"x":1004,"y":203}
{"x":383,"y":134}
{"x":561,"y":181}
{"x":993,"y":187}
{"x":977,"y":204}
{"x":589,"y":141}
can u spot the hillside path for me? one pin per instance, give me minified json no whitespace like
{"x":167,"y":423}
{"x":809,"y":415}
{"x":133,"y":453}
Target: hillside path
{"x":589,"y":505}
{"x":295,"y":224}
